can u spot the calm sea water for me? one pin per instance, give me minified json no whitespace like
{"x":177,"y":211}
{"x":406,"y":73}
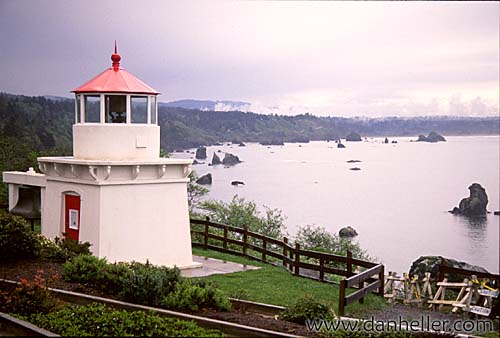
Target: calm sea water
{"x":397,"y":202}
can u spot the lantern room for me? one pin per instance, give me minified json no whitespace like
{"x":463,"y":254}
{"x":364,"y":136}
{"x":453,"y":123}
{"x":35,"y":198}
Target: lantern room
{"x":116,"y":117}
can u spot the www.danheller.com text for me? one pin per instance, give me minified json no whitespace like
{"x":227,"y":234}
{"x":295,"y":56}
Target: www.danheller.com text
{"x":424,"y":323}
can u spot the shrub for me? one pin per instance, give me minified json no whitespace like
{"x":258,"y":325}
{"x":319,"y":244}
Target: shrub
{"x":83,"y":269}
{"x":239,"y":212}
{"x":100,"y":321}
{"x":307,"y":308}
{"x":148,"y":284}
{"x":196,"y":295}
{"x":62,"y":249}
{"x":28,"y":297}
{"x":17,"y":240}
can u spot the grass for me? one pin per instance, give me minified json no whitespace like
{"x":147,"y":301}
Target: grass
{"x":277,"y":286}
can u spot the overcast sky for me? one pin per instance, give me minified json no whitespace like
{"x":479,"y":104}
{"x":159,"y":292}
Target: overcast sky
{"x":326,"y":58}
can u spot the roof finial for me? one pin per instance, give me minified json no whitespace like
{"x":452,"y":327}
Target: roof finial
{"x":116,"y":59}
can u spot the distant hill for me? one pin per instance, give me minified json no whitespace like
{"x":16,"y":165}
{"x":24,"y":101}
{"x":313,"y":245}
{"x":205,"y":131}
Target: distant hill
{"x":206,"y":104}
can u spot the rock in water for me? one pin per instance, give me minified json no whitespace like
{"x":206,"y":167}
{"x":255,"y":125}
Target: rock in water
{"x":353,"y":137}
{"x":497,"y":213}
{"x":237,"y":183}
{"x":355,"y":168}
{"x":475,"y":204}
{"x":216,"y":159}
{"x":348,"y":231}
{"x":386,"y":140}
{"x":205,"y":179}
{"x":433,"y":137}
{"x":340,"y":145}
{"x":201,"y":153}
{"x":431,"y":264}
{"x":230,"y":159}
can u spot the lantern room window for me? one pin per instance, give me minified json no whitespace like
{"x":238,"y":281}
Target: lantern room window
{"x":139,"y":109}
{"x":116,"y":108}
{"x":92,"y":108}
{"x":152,"y":109}
{"x":78,"y":111}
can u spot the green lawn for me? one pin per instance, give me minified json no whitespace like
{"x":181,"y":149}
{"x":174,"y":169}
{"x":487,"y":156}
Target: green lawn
{"x":276,"y":285}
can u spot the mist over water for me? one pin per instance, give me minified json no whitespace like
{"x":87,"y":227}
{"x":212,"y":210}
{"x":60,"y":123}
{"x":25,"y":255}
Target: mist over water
{"x":398,"y":202}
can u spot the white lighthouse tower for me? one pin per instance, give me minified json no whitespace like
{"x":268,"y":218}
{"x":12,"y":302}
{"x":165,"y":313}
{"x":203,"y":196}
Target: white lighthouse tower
{"x":115,"y":192}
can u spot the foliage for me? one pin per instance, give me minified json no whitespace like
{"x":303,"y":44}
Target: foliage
{"x":305,"y":308}
{"x":62,"y":249}
{"x":148,"y":284}
{"x":196,"y":295}
{"x":195,"y":192}
{"x":100,"y":321}
{"x":17,"y":240}
{"x":319,"y":239}
{"x":29,"y":297}
{"x":240,"y":213}
{"x":83,"y":268}
{"x":110,"y":278}
{"x":164,"y":153}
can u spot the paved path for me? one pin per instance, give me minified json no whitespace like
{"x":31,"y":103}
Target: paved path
{"x":211,"y":266}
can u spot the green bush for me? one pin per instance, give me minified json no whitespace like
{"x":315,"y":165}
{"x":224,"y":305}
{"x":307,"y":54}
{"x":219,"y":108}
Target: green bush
{"x":110,"y":278}
{"x":148,"y":284}
{"x":62,"y":250}
{"x":83,"y":269}
{"x":100,"y":321}
{"x":28,"y":297}
{"x":239,"y":213}
{"x":17,"y":240}
{"x":196,"y":295}
{"x":307,"y":308}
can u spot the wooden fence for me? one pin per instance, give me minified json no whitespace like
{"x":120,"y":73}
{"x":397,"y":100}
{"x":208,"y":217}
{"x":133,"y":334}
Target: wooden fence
{"x":445,"y":269}
{"x":305,"y":263}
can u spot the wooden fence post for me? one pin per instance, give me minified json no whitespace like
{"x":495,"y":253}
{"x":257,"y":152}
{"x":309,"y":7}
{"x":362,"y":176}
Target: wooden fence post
{"x":245,"y":240}
{"x":285,"y":252}
{"x":224,"y":244}
{"x":297,"y":259}
{"x":264,"y":247}
{"x":381,"y":276}
{"x":205,"y":239}
{"x":321,"y":271}
{"x":342,"y":297}
{"x":349,"y":263}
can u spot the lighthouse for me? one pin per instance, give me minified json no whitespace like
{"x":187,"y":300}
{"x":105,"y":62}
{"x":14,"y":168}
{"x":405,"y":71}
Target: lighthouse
{"x":115,"y":192}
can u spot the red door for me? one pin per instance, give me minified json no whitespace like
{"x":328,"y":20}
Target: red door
{"x":72,"y":216}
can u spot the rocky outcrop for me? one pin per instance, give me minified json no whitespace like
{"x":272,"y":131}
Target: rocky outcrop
{"x":475,"y":204}
{"x":386,"y":140}
{"x":496,"y":213}
{"x":354,"y":161}
{"x":347,"y":231}
{"x":205,"y":179}
{"x":237,"y":183}
{"x":355,"y":168}
{"x":201,"y":153}
{"x":394,"y":141}
{"x":230,"y":159}
{"x":273,"y":142}
{"x":433,"y":137}
{"x":241,"y":144}
{"x":340,"y":145}
{"x":353,"y":137}
{"x":431,"y":264}
{"x":216,"y":160}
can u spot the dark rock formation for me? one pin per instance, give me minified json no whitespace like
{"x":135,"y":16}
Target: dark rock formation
{"x":196,"y":162}
{"x":237,"y":183}
{"x":354,"y":161}
{"x":241,"y":144}
{"x":386,"y":140}
{"x":355,"y":168}
{"x":431,"y":264}
{"x":348,"y":231}
{"x":205,"y":179}
{"x":475,"y":204}
{"x":394,"y":141}
{"x":216,"y":160}
{"x":353,"y":137}
{"x":497,"y":213}
{"x":230,"y":159}
{"x":340,"y":145}
{"x":433,"y":137}
{"x":201,"y":153}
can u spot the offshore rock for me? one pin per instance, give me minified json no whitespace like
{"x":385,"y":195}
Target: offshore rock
{"x":475,"y":204}
{"x":431,"y":264}
{"x":237,"y":183}
{"x":205,"y":179}
{"x":201,"y":153}
{"x":230,"y":159}
{"x":348,"y":231}
{"x":216,"y":160}
{"x":353,"y":137}
{"x":433,"y":137}
{"x":340,"y":145}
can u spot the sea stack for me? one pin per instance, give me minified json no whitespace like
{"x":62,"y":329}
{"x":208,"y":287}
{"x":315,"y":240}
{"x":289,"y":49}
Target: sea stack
{"x":475,"y":204}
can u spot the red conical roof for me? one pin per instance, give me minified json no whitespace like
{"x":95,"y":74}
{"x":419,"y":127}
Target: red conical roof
{"x":115,"y":80}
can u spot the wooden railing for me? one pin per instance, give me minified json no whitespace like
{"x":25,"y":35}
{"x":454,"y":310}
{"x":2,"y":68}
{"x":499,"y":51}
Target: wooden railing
{"x":445,"y":269}
{"x":305,"y":263}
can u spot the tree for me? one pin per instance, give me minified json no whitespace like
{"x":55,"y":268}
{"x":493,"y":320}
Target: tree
{"x":195,"y":192}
